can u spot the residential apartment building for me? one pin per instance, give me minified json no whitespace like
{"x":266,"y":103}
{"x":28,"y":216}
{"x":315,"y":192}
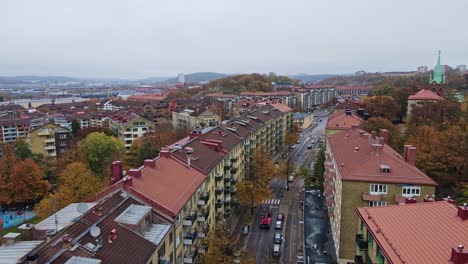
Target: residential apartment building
{"x":287,"y":98}
{"x":357,"y":90}
{"x":193,"y":181}
{"x":129,"y":127}
{"x":341,"y":120}
{"x":12,"y":128}
{"x":362,"y":170}
{"x":119,"y":228}
{"x":187,"y":118}
{"x":418,"y":233}
{"x":425,"y":95}
{"x":50,"y":140}
{"x":303,"y":120}
{"x":313,"y":98}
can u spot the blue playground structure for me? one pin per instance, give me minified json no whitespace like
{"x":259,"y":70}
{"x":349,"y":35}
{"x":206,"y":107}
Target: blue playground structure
{"x":15,"y":218}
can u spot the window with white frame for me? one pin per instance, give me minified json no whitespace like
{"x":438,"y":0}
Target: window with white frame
{"x":409,"y":191}
{"x":378,"y":189}
{"x":377,"y":203}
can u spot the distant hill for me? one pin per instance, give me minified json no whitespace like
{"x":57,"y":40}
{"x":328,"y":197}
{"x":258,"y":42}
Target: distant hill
{"x":198,"y":77}
{"x":245,"y":82}
{"x":314,"y":78}
{"x":36,"y":79}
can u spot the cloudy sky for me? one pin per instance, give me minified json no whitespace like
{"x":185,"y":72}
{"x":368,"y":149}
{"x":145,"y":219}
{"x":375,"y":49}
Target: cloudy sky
{"x":134,"y":39}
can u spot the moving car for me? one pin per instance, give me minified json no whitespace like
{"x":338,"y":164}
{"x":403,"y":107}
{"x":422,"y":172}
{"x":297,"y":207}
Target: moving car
{"x":276,"y":250}
{"x":278,"y":238}
{"x":279,"y":225}
{"x":265,"y":220}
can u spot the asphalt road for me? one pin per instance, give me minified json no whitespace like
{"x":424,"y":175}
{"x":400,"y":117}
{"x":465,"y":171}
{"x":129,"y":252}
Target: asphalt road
{"x":260,"y":241}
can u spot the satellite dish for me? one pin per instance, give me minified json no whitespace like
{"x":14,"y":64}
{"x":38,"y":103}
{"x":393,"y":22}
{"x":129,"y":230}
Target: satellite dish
{"x":82,"y":208}
{"x":95,"y":231}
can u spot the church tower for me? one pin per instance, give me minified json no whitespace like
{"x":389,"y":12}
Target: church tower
{"x":437,"y":79}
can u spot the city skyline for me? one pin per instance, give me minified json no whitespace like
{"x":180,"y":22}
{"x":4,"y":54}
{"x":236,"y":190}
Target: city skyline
{"x":112,"y":39}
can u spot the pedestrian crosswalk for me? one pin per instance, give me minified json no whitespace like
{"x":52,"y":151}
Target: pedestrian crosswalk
{"x":271,"y":201}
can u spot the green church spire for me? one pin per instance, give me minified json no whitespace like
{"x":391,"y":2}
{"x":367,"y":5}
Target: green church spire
{"x":439,"y":76}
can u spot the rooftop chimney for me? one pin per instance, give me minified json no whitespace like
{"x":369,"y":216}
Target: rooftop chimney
{"x":385,"y":134}
{"x":373,"y":133}
{"x":116,"y":171}
{"x":409,"y":154}
{"x":150,"y":163}
{"x":134,"y":173}
{"x":463,"y":211}
{"x":196,"y":134}
{"x":165,"y":152}
{"x":459,"y":255}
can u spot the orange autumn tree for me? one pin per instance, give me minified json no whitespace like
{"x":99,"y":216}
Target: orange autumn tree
{"x":27,"y":182}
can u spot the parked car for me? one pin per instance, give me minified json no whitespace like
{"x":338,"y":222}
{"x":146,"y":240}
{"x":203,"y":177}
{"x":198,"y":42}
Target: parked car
{"x":310,"y":146}
{"x":276,"y":250}
{"x":279,"y":225}
{"x":280,"y":217}
{"x":290,"y":178}
{"x":245,"y":229}
{"x":293,"y":146}
{"x":298,"y":141}
{"x":278,"y":238}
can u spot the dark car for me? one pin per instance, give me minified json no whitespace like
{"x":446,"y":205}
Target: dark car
{"x":276,"y":250}
{"x":278,"y":238}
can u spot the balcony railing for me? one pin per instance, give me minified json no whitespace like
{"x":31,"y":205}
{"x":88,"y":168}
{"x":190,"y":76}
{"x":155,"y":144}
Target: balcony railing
{"x":227,"y":202}
{"x":233,"y":191}
{"x":202,"y":216}
{"x":361,"y":242}
{"x":218,"y":191}
{"x":190,"y":256}
{"x":227,"y":212}
{"x":201,"y":232}
{"x":233,"y":171}
{"x":371,"y":197}
{"x":227,"y":166}
{"x":219,"y":203}
{"x":227,"y":178}
{"x":190,"y":219}
{"x":233,"y":180}
{"x":203,"y":199}
{"x":202,"y":248}
{"x":233,"y":160}
{"x":190,"y":237}
{"x":219,"y":177}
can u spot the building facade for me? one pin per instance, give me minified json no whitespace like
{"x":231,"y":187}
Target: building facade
{"x":361,"y":170}
{"x":129,"y":127}
{"x":51,"y":140}
{"x":187,"y":118}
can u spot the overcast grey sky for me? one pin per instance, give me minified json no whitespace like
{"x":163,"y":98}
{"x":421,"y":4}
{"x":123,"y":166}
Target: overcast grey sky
{"x":133,"y":39}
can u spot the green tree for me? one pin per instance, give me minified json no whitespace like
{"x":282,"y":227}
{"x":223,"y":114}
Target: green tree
{"x":99,"y":150}
{"x":75,"y":126}
{"x":319,"y":167}
{"x":22,"y":149}
{"x":382,"y":106}
{"x":139,"y":151}
{"x":383,"y":89}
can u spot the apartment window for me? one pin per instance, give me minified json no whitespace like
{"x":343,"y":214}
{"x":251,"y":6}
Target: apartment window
{"x":377,"y":203}
{"x":63,"y":144}
{"x":162,"y":251}
{"x":378,"y":189}
{"x":177,"y":220}
{"x":62,"y":136}
{"x":177,"y":240}
{"x":380,"y":256}
{"x":409,"y":191}
{"x":170,"y":237}
{"x":135,"y":129}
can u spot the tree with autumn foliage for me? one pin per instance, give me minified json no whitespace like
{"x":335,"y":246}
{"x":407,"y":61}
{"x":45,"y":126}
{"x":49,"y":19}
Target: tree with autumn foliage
{"x":7,"y":162}
{"x":255,"y":188}
{"x":225,"y":248}
{"x":376,"y":123}
{"x":139,"y":151}
{"x":75,"y":184}
{"x":382,"y":106}
{"x":26,"y":182}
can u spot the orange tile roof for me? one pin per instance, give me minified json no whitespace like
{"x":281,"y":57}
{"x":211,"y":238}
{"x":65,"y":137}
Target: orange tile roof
{"x":418,"y":233}
{"x":425,"y":94}
{"x":147,"y":97}
{"x":170,"y":183}
{"x":364,"y":164}
{"x":266,"y":93}
{"x":281,"y":107}
{"x":340,"y":120}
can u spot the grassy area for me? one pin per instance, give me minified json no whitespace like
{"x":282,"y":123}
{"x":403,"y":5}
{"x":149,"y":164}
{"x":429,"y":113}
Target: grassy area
{"x":34,"y":220}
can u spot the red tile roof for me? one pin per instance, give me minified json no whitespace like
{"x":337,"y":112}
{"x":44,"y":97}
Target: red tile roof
{"x":340,"y":120}
{"x":147,"y":97}
{"x":281,"y":107}
{"x":418,"y":233}
{"x":221,"y":95}
{"x":170,"y":183}
{"x":364,"y":164}
{"x":425,"y":94}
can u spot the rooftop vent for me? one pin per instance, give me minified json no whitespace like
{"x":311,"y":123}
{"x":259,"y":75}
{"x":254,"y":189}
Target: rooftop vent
{"x":231,"y":129}
{"x":459,"y":255}
{"x":356,"y":149}
{"x":189,"y":150}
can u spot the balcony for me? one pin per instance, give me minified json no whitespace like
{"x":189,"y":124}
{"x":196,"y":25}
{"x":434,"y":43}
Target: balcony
{"x":227,"y":202}
{"x":49,"y":140}
{"x":227,"y":190}
{"x":51,"y":147}
{"x":190,"y":256}
{"x":219,"y":203}
{"x":201,"y":231}
{"x":203,"y":199}
{"x":190,"y":237}
{"x":233,"y":160}
{"x":190,"y":219}
{"x":233,"y":171}
{"x":361,"y":242}
{"x":218,"y":191}
{"x":227,"y":166}
{"x":227,"y":179}
{"x":233,"y":180}
{"x":202,"y":248}
{"x":404,"y":200}
{"x":227,"y":212}
{"x":358,"y":260}
{"x":203,"y":215}
{"x":219,"y":177}
{"x":371,"y":197}
{"x":233,"y":191}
